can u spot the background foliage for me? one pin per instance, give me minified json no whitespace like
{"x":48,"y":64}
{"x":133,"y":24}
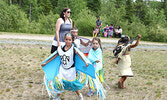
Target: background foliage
{"x":147,"y":18}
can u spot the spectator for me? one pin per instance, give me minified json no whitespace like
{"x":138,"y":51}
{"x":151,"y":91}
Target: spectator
{"x":110,"y":33}
{"x":99,"y":24}
{"x":106,"y":30}
{"x":95,"y":31}
{"x":118,"y":32}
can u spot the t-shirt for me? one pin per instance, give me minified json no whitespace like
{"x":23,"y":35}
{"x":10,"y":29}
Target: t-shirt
{"x":67,"y":57}
{"x":118,"y":30}
{"x":77,"y":42}
{"x":111,"y":28}
{"x":98,"y":22}
{"x":106,"y":29}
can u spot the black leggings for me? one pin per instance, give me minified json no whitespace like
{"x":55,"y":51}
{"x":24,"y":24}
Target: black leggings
{"x":119,"y":35}
{"x":53,"y":49}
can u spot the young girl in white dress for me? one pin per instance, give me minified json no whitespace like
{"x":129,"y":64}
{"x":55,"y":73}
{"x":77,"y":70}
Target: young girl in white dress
{"x":67,"y":77}
{"x":124,"y":62}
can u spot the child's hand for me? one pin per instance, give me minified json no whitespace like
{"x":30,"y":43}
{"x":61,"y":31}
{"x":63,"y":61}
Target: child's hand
{"x":97,"y":61}
{"x":59,"y":44}
{"x":139,"y":36}
{"x":90,"y":41}
{"x":43,"y":64}
{"x":87,"y":65}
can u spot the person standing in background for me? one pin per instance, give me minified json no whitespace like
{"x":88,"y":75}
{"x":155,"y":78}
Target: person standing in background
{"x":99,"y":24}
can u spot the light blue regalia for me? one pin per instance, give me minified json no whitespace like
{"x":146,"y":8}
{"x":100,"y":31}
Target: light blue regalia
{"x":55,"y":84}
{"x":93,"y":56}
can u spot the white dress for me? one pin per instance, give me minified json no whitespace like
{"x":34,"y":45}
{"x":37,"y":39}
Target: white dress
{"x":124,"y":65}
{"x":67,"y":58}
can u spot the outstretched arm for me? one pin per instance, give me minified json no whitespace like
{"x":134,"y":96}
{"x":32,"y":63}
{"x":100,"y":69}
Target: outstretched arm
{"x":80,"y":57}
{"x":49,"y":60}
{"x":85,"y":44}
{"x":137,"y":42}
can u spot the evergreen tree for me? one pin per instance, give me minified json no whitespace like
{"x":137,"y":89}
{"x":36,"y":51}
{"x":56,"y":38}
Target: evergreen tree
{"x":154,"y":17}
{"x":119,"y":3}
{"x":129,"y":10}
{"x":165,"y":8}
{"x":140,"y":9}
{"x":32,"y":9}
{"x":94,"y":5}
{"x":46,"y":6}
{"x":76,"y":6}
{"x":60,"y":5}
{"x":54,"y":3}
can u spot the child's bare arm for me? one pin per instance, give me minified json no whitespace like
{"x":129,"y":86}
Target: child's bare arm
{"x":85,"y":44}
{"x":49,"y":60}
{"x":137,"y":42}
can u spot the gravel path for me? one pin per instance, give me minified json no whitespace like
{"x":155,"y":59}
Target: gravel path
{"x":47,"y":40}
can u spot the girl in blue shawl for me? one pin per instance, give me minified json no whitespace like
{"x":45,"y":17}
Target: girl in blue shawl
{"x":95,"y":56}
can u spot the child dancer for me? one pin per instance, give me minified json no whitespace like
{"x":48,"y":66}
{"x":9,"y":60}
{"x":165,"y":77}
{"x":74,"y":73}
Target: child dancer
{"x":124,"y":61}
{"x":78,"y":41}
{"x":66,"y":78}
{"x":95,"y":56}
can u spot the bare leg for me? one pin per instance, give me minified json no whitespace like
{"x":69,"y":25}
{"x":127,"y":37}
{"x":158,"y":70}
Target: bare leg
{"x":77,"y":92}
{"x":121,"y":82}
{"x":93,"y":33}
{"x":124,"y":78}
{"x":96,"y":34}
{"x":80,"y":97}
{"x":58,"y":95}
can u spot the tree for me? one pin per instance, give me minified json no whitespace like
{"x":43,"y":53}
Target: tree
{"x":165,"y":8}
{"x":85,"y":22}
{"x":75,"y":5}
{"x":12,"y":18}
{"x":54,"y":3}
{"x":94,"y":5}
{"x":60,"y":5}
{"x":119,"y":3}
{"x":129,"y":10}
{"x":46,"y":6}
{"x":140,"y":9}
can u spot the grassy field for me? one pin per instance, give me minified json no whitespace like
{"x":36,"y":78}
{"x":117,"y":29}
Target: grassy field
{"x":21,"y":75}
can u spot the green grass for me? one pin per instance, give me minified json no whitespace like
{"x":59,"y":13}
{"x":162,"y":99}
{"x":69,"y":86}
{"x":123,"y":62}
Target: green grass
{"x":20,"y":65}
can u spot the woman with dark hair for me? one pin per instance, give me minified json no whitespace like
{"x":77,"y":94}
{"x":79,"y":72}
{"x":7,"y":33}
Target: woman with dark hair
{"x":118,"y":32}
{"x":63,"y":26}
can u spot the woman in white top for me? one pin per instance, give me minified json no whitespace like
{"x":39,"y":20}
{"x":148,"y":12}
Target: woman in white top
{"x":63,"y":26}
{"x":118,"y":32}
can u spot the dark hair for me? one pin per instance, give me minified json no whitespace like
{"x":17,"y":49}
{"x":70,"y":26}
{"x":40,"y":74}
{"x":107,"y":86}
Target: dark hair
{"x":62,"y":14}
{"x":74,"y":28}
{"x":97,"y":39}
{"x":118,"y":27}
{"x":69,"y":34}
{"x":124,"y":39}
